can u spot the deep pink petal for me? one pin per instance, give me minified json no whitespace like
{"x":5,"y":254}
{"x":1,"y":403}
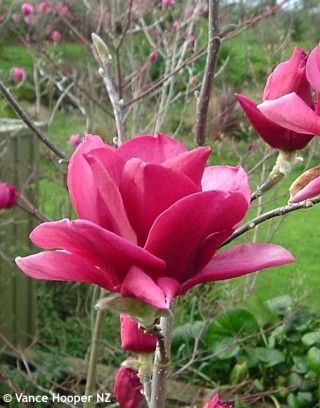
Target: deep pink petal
{"x":313,"y":68}
{"x":111,"y":161}
{"x":133,"y":339}
{"x":292,"y":112}
{"x":169,"y":286}
{"x":128,"y":388}
{"x":111,"y":209}
{"x":82,"y":188}
{"x":179,"y":232}
{"x":64,"y":266}
{"x":311,"y":190}
{"x":97,"y":245}
{"x":240,"y":260}
{"x":151,"y":148}
{"x":138,"y":284}
{"x":149,"y":189}
{"x":287,"y":76}
{"x":276,"y":136}
{"x":226,"y":178}
{"x":192,"y":163}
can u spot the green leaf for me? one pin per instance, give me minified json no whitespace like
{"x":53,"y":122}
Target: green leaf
{"x":224,"y":335}
{"x":239,"y":372}
{"x":260,"y":311}
{"x":313,"y":359}
{"x":309,"y":339}
{"x":186,"y":333}
{"x":292,"y":401}
{"x":269,"y":357}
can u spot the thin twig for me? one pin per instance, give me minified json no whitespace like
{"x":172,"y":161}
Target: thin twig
{"x":208,"y":78}
{"x":29,"y":122}
{"x":277,"y":212}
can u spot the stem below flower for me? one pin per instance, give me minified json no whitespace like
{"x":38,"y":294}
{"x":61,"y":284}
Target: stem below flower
{"x":93,"y":358}
{"x":161,"y":366}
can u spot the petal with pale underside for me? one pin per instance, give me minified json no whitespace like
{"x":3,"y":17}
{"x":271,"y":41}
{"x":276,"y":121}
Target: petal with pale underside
{"x":151,"y":148}
{"x":64,"y":266}
{"x":240,"y":260}
{"x":291,"y":112}
{"x":226,"y":178}
{"x":97,"y":245}
{"x":311,"y":190}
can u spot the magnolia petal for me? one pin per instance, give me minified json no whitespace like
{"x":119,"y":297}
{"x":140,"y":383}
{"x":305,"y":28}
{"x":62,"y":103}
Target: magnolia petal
{"x":169,"y":286}
{"x":111,"y":161}
{"x":313,"y":68}
{"x":291,"y":112}
{"x":81,"y":185}
{"x":192,"y":163}
{"x":178,"y":232}
{"x":151,"y":148}
{"x":240,"y":260}
{"x":148,"y":189}
{"x":287,"y":76}
{"x":226,"y":178}
{"x":111,"y":205}
{"x":64,"y":266}
{"x":140,"y":285}
{"x":276,"y":136}
{"x":99,"y":246}
{"x":311,"y":190}
{"x":128,"y":388}
{"x":133,"y":339}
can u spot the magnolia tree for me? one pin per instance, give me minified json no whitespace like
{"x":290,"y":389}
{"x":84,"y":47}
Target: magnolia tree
{"x":153,"y":217}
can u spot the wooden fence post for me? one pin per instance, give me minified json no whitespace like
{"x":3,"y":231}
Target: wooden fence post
{"x":18,"y":165}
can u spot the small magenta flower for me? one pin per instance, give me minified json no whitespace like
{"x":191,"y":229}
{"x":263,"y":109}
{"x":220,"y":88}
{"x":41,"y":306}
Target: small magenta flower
{"x":154,"y":56}
{"x":216,"y":402}
{"x":18,"y":74}
{"x":75,"y":140}
{"x":128,"y":388}
{"x":63,"y":10}
{"x":55,"y":36}
{"x":177,"y":25}
{"x":191,"y":39}
{"x":44,"y":7}
{"x":8,"y":195}
{"x":27,"y":9}
{"x":168,"y":3}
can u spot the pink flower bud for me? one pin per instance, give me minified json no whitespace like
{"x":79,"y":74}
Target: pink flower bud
{"x":63,"y":10}
{"x":128,"y":388}
{"x":133,"y":339}
{"x":8,"y":195}
{"x":154,"y":56}
{"x":191,"y":39}
{"x":75,"y":140}
{"x":177,"y":25}
{"x":55,"y":36}
{"x":168,"y":3}
{"x":216,"y":402}
{"x":27,"y":9}
{"x":18,"y":74}
{"x":44,"y":7}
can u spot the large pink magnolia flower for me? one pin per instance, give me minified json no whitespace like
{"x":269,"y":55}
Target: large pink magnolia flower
{"x":289,"y":76}
{"x":292,"y":110}
{"x":151,"y":219}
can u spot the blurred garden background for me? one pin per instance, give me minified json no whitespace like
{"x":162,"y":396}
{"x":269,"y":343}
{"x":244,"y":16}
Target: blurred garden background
{"x":256,"y":338}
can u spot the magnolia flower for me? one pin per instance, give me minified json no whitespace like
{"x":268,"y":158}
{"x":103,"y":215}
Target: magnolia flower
{"x":168,"y":3}
{"x":152,"y":217}
{"x":216,"y":402}
{"x":8,"y":195}
{"x":128,"y":388}
{"x":44,"y":7}
{"x":133,"y":339}
{"x":27,"y":9}
{"x":294,"y":110}
{"x":154,"y":56}
{"x":306,"y":186}
{"x":288,"y":77}
{"x":18,"y":74}
{"x":55,"y":36}
{"x":75,"y":140}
